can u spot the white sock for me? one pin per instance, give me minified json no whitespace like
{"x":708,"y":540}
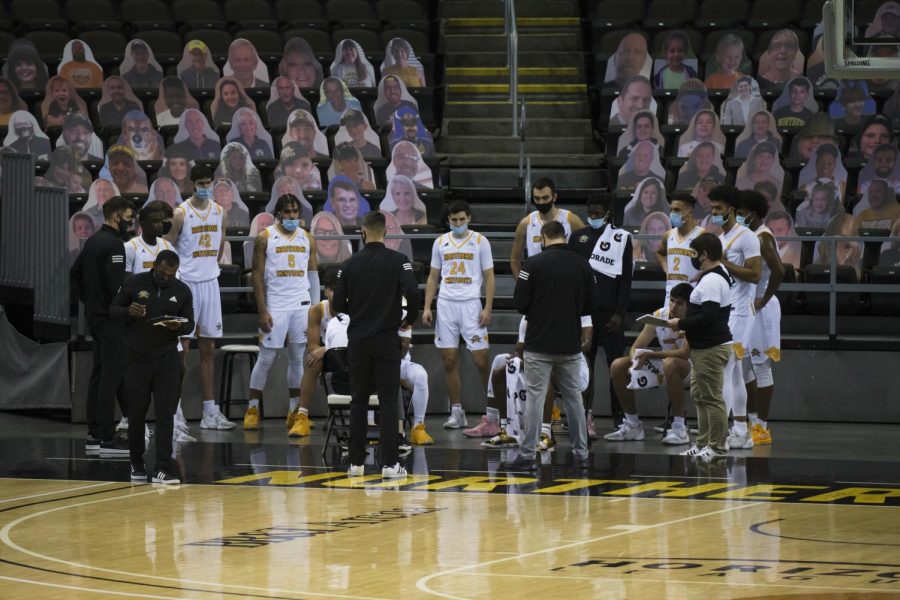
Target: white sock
{"x":209,"y":407}
{"x":303,"y":411}
{"x":293,"y":403}
{"x":178,"y":412}
{"x":763,"y":424}
{"x":753,"y":418}
{"x":504,"y":423}
{"x":632,"y":420}
{"x":678,"y":423}
{"x":493,"y":414}
{"x":546,"y":429}
{"x":417,"y":420}
{"x":740,"y":427}
{"x":455,"y":408}
{"x":253,"y":403}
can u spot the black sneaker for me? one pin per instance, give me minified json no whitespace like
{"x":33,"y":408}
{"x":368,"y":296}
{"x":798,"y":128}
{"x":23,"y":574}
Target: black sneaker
{"x":403,"y":445}
{"x":163,"y":477}
{"x":92,"y":445}
{"x":114,"y":447}
{"x":138,"y":473}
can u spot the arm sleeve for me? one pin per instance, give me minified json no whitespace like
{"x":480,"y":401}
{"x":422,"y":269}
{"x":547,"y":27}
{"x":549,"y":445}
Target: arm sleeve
{"x":410,"y":292}
{"x":76,"y":277}
{"x":522,"y":294}
{"x":625,"y":279}
{"x":187,"y":311}
{"x":115,"y":267}
{"x":314,"y":291}
{"x":703,"y":320}
{"x":340,"y":289}
{"x":118,"y":310}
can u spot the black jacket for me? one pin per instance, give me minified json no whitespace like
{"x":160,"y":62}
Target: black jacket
{"x":612,"y":292}
{"x":369,"y":287}
{"x":554,"y":290}
{"x":98,"y":272}
{"x":143,"y":339}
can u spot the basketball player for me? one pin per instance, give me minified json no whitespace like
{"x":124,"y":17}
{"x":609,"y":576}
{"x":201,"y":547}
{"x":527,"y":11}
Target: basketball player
{"x":414,"y":377}
{"x":741,"y":258}
{"x":198,"y":234}
{"x":462,"y":260}
{"x":765,"y":333}
{"x":675,"y":367}
{"x":285,"y":283}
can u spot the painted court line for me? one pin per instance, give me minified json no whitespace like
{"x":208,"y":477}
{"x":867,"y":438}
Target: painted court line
{"x":62,"y":491}
{"x":82,"y":589}
{"x":422,"y":583}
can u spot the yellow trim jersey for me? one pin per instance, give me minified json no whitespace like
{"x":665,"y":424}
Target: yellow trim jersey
{"x":287,"y":259}
{"x":140,"y":256}
{"x":199,"y":241}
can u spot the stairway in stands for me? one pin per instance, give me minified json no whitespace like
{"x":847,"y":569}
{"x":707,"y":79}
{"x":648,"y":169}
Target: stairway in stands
{"x":477,"y":125}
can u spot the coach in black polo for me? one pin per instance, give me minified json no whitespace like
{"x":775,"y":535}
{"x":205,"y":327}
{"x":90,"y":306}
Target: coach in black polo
{"x":369,"y":289}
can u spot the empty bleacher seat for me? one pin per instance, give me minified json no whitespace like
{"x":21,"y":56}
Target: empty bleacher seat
{"x":250,"y":14}
{"x":167,"y":45}
{"x":774,"y":13}
{"x":721,"y":13}
{"x":352,"y":13}
{"x":34,"y":15}
{"x":670,"y":13}
{"x":198,"y":14}
{"x":108,"y":46}
{"x":403,"y":13}
{"x":146,"y":14}
{"x":294,"y":14}
{"x":87,"y":15}
{"x":817,"y":303}
{"x":618,"y":14}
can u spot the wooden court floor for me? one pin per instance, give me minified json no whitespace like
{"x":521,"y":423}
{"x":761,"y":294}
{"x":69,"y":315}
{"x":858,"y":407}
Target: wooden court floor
{"x":296,"y":532}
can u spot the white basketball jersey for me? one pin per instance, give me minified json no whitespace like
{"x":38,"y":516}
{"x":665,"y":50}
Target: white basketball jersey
{"x":336,"y":334}
{"x":326,"y":318}
{"x":287,"y":256}
{"x":140,"y":256}
{"x":738,"y":245}
{"x":199,"y":241}
{"x":515,"y":398}
{"x":668,"y":339}
{"x":765,"y":272}
{"x":533,"y":231}
{"x":462,"y":263}
{"x":678,"y":258}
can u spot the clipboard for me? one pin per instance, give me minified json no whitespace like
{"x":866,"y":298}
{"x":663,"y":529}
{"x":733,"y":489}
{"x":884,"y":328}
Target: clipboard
{"x":651,"y":320}
{"x":165,"y":319}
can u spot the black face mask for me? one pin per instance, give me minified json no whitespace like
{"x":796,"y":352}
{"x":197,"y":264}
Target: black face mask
{"x":696,"y":262}
{"x":123,"y":227}
{"x":167,"y":227}
{"x":161,"y":280}
{"x":544,"y":208}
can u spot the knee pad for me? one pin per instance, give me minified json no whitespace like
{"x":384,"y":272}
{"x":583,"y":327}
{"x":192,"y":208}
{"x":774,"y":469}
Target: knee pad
{"x":764,"y":377}
{"x":261,"y":368}
{"x":295,"y":364}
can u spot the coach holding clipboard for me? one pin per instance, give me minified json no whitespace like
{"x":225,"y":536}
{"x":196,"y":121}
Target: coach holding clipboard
{"x":556,"y":292}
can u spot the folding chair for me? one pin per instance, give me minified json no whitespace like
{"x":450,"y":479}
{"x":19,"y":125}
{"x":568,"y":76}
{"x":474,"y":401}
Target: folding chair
{"x":336,"y":381}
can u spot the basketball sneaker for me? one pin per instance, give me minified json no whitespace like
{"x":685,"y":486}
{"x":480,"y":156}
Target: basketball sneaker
{"x":180,"y":436}
{"x":626,"y":433}
{"x":123,"y":424}
{"x":760,"y":435}
{"x":356,"y":470}
{"x":485,"y":429}
{"x":138,"y":472}
{"x":501,"y":440}
{"x":677,"y":437}
{"x":251,"y":418}
{"x":547,"y":443}
{"x":395,"y":472}
{"x":300,"y":427}
{"x":164,"y":477}
{"x":457,"y":420}
{"x":403,"y":445}
{"x":692,"y":451}
{"x":555,"y":414}
{"x":709,"y":454}
{"x":215,"y":420}
{"x":114,"y":447}
{"x":289,"y":420}
{"x":419,"y":437}
{"x":739,"y":441}
{"x":91,"y":445}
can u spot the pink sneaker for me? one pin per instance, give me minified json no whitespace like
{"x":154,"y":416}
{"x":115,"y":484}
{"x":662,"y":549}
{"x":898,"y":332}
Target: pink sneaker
{"x":486,"y":429}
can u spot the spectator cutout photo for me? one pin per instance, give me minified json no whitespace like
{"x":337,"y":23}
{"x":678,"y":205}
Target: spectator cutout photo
{"x":403,"y":202}
{"x":636,"y":96}
{"x":642,"y":162}
{"x":24,"y":68}
{"x":406,"y":125}
{"x":61,"y":100}
{"x":815,"y":63}
{"x":406,"y":161}
{"x":760,"y":128}
{"x":99,"y":193}
{"x":400,"y":61}
{"x":296,"y":164}
{"x":197,"y":69}
{"x":195,"y":139}
{"x":851,"y":106}
{"x":796,"y":105}
{"x":875,"y":131}
{"x":345,"y":201}
{"x":848,"y":253}
{"x":334,"y":99}
{"x":704,"y":127}
{"x":890,"y":251}
{"x":326,"y":224}
{"x":288,"y":185}
{"x":817,"y":131}
{"x":66,"y":171}
{"x":728,"y":64}
{"x":821,"y":205}
{"x":655,"y":224}
{"x":78,"y":134}
{"x":229,"y":97}
{"x":630,"y":59}
{"x":24,"y":136}
{"x":81,"y":227}
{"x":391,"y":228}
{"x":704,"y":162}
{"x":643,"y":127}
{"x":164,"y":190}
{"x":173,"y":99}
{"x":762,"y":164}
{"x":676,"y":64}
{"x":692,"y":98}
{"x":882,"y":165}
{"x":122,"y":167}
{"x":782,"y":225}
{"x":139,"y":67}
{"x":348,"y":161}
{"x":260,"y":222}
{"x":227,"y":195}
{"x":139,"y":135}
{"x":177,"y":166}
{"x":744,"y":101}
{"x":79,"y":66}
{"x":244,"y":65}
{"x":10,"y":101}
{"x":236,"y":165}
{"x":649,"y":197}
{"x":356,"y":130}
{"x":300,"y":65}
{"x":885,"y":25}
{"x":284,"y":99}
{"x":392,"y":94}
{"x":878,"y":209}
{"x":116,"y":100}
{"x":781,"y":62}
{"x":351,"y":66}
{"x":824,"y":166}
{"x":247,"y":129}
{"x":302,"y":128}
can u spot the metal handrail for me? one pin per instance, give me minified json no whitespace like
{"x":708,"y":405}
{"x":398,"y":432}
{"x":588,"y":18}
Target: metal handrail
{"x":512,"y":61}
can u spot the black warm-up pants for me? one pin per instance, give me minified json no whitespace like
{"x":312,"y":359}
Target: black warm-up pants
{"x":105,"y":385}
{"x":157,"y":377}
{"x":613,"y":343}
{"x":374,"y":365}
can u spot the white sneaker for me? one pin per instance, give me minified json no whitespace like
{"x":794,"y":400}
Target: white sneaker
{"x":692,"y":451}
{"x":395,"y":472}
{"x":708,"y":454}
{"x":356,"y":470}
{"x":677,"y":437}
{"x":180,"y":422}
{"x":215,"y":420}
{"x":181,"y":437}
{"x":457,"y":420}
{"x":738,"y":441}
{"x":626,"y":433}
{"x":123,"y":424}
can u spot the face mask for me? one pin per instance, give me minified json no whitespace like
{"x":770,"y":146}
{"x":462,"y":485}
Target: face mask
{"x":676,"y":219}
{"x":696,"y":262}
{"x":203,"y":193}
{"x":290,"y":224}
{"x":160,"y":280}
{"x":167,"y":227}
{"x":718,"y":220}
{"x":597,"y":223}
{"x":741,"y":220}
{"x":123,"y":227}
{"x":544,"y":208}
{"x":461,"y":230}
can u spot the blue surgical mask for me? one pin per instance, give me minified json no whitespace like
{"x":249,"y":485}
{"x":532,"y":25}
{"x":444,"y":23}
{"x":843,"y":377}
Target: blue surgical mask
{"x":461,"y":230}
{"x":718,"y":220}
{"x":741,"y":220}
{"x":290,"y":224}
{"x":204,"y":193}
{"x":597,"y":223}
{"x":676,"y":219}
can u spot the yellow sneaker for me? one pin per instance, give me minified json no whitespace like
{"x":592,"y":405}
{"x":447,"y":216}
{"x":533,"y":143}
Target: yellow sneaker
{"x":419,"y":437}
{"x":547,"y":443}
{"x":251,"y":418}
{"x":556,"y":415}
{"x":301,"y":426}
{"x":760,"y":435}
{"x":289,"y":420}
